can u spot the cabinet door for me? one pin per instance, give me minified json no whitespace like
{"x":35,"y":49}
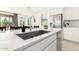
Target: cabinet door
{"x":67,"y":14}
{"x":75,"y":13}
{"x":75,"y":34}
{"x":71,"y":13}
{"x":41,"y":45}
{"x":52,"y":46}
{"x":67,"y":33}
{"x":71,"y":34}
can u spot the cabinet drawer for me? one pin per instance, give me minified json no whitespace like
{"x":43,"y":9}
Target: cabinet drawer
{"x":52,"y":46}
{"x":42,"y":44}
{"x":75,"y":35}
{"x":67,"y":33}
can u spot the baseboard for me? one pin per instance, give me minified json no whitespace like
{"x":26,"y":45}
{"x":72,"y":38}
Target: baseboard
{"x":71,"y":41}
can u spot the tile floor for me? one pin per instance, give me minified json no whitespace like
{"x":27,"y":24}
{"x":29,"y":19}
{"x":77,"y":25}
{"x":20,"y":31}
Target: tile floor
{"x":70,"y":46}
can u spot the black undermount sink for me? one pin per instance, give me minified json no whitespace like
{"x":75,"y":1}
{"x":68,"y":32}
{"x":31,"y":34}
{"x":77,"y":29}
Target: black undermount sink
{"x":28,"y":35}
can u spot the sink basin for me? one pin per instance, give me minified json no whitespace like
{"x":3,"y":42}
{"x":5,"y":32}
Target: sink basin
{"x":29,"y":35}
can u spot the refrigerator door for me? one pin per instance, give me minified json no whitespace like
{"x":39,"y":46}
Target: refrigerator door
{"x":57,"y":21}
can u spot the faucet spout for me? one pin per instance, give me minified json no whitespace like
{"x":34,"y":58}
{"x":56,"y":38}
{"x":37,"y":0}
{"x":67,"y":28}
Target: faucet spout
{"x":30,"y":28}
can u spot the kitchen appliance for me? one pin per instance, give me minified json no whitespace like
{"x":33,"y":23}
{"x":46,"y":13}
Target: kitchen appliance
{"x":57,"y":21}
{"x":66,"y":23}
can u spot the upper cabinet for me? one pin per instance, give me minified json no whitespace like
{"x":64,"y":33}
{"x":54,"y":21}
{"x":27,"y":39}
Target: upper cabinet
{"x":75,"y":13}
{"x":67,"y":13}
{"x":71,"y":13}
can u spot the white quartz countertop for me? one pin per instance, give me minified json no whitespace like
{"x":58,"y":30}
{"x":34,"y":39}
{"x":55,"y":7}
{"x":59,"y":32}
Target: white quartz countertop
{"x":9,"y":41}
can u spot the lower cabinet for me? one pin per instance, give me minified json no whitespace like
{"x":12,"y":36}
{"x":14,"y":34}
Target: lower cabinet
{"x":44,"y":43}
{"x":67,"y":33}
{"x":71,"y":34}
{"x":52,"y":46}
{"x":75,"y":34}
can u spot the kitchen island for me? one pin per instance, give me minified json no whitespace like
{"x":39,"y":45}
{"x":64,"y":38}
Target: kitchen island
{"x":51,"y":41}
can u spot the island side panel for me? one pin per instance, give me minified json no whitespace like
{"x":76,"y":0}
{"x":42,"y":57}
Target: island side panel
{"x":59,"y":40}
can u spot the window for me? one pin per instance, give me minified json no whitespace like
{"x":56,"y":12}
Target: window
{"x":43,"y":20}
{"x":5,"y":20}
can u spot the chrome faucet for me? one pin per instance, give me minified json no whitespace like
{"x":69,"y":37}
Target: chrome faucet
{"x":30,"y":28}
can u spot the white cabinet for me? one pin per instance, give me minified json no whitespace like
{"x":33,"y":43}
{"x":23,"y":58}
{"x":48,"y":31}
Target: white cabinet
{"x":42,"y":44}
{"x":67,"y":14}
{"x":52,"y":46}
{"x":75,"y":13}
{"x":71,"y":34}
{"x":71,"y":13}
{"x":75,"y":34}
{"x":67,"y":33}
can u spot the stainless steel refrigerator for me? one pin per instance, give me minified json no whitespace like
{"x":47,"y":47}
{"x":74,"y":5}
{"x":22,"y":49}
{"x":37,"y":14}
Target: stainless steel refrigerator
{"x":57,"y":21}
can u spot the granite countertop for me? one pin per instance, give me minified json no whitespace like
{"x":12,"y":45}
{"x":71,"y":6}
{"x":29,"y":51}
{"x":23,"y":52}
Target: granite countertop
{"x":9,"y":41}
